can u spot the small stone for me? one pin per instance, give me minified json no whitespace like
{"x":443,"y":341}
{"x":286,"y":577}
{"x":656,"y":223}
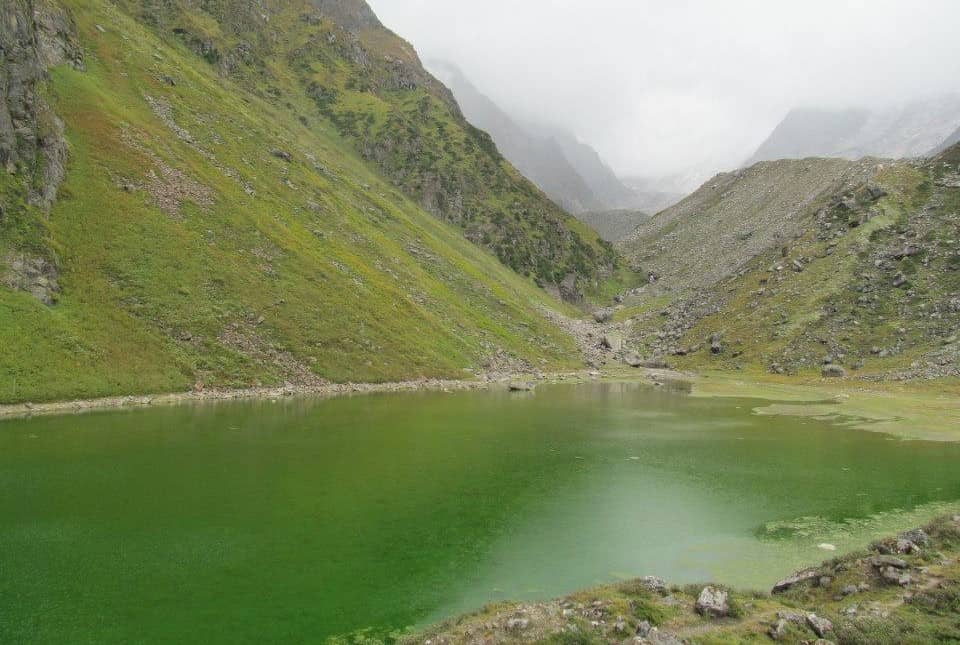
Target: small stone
{"x":778,"y":631}
{"x":643,"y":629}
{"x":620,"y":626}
{"x":654,"y":584}
{"x":518,"y":624}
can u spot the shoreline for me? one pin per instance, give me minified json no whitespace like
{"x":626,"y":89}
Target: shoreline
{"x":908,"y":411}
{"x":327,"y":390}
{"x":899,"y":589}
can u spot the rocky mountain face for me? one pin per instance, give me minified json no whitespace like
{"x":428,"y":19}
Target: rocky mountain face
{"x":569,"y":171}
{"x":909,"y":130}
{"x":611,"y":191}
{"x":34,"y":37}
{"x":231,"y":194}
{"x":950,"y":141}
{"x":814,"y":266}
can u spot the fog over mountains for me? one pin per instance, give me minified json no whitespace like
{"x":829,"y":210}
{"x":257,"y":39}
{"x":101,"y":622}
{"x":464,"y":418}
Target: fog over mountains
{"x":913,"y":129}
{"x":568,"y":170}
{"x":665,"y":88}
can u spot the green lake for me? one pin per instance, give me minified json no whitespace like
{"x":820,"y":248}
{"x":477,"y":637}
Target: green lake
{"x":296,"y":520}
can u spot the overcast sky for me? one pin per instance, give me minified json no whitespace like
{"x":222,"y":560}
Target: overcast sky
{"x":663,"y":86}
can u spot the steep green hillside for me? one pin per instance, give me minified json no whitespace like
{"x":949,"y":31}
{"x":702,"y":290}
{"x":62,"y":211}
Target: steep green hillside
{"x":807,"y":267}
{"x":206,"y":233}
{"x":333,"y":64}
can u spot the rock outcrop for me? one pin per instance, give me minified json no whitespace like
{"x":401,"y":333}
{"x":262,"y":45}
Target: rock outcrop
{"x":35,"y":35}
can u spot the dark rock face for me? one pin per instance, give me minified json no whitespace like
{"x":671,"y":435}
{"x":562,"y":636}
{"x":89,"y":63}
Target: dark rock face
{"x":33,"y":275}
{"x":352,"y":15}
{"x":34,"y":36}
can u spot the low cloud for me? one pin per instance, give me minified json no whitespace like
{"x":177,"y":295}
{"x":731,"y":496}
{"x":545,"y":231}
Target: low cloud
{"x":671,"y":86}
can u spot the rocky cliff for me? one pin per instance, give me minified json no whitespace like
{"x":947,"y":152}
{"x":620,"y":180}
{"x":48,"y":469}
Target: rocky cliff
{"x":34,"y":37}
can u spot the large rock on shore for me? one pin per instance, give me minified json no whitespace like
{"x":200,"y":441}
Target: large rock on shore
{"x":795,"y":579}
{"x":713,"y":602}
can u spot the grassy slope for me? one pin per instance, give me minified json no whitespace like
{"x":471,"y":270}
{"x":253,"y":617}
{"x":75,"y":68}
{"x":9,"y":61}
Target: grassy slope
{"x":329,"y":272}
{"x":369,"y":85}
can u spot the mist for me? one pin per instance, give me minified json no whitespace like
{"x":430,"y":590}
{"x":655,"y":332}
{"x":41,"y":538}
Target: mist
{"x":687,"y":86}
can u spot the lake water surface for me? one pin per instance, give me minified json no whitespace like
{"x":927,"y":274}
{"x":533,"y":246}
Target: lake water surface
{"x":301,"y":519}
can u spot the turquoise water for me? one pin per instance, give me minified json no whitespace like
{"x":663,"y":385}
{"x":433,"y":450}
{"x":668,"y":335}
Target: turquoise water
{"x":302,"y":519}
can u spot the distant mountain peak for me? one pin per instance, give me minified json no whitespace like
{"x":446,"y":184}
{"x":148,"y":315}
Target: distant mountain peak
{"x":907,"y":130}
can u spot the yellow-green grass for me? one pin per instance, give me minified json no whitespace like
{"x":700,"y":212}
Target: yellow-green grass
{"x":325,"y":267}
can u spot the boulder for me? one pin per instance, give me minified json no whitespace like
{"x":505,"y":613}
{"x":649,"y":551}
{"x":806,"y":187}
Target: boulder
{"x":654,"y":584}
{"x":820,"y":626}
{"x":613,"y":342}
{"x":833,"y":371}
{"x":792,"y":617}
{"x":716,"y":346}
{"x":633,"y":359}
{"x":603,"y":315}
{"x":520,"y":386}
{"x":794,"y":580}
{"x":894,"y":576}
{"x":881,"y":561}
{"x":874,"y":192}
{"x":282,"y":154}
{"x":713,"y":602}
{"x":917,"y":536}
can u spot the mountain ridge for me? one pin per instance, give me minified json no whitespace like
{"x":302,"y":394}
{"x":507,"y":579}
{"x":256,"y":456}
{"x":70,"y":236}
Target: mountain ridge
{"x":908,"y":130}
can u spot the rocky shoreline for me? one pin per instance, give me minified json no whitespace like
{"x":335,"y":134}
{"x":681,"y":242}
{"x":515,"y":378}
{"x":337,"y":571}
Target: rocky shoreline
{"x":506,"y":381}
{"x":901,"y":589}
